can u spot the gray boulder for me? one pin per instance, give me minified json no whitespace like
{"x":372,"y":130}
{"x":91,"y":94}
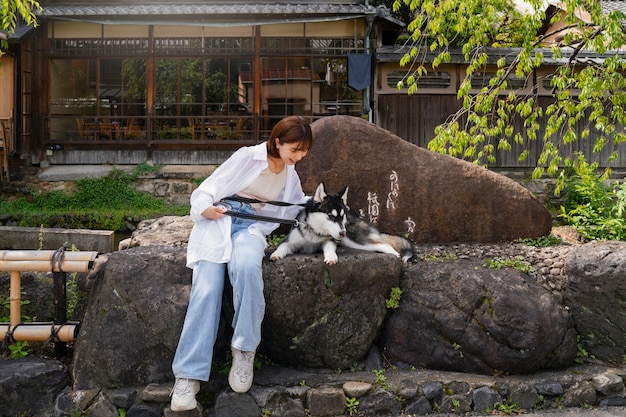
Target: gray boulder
{"x":134,"y":317}
{"x":316,"y":316}
{"x":595,"y":295}
{"x":462,"y":316}
{"x":29,"y":385}
{"x":165,"y":230}
{"x":326,"y":317}
{"x":405,"y":189}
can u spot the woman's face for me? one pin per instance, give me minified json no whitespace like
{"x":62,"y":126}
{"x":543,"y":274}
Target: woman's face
{"x":289,"y":152}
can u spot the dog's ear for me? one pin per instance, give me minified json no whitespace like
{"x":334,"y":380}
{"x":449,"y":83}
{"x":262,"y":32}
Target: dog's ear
{"x":320,"y":193}
{"x":344,"y":195}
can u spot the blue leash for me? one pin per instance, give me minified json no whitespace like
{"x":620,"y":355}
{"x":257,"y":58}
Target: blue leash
{"x":249,"y":216}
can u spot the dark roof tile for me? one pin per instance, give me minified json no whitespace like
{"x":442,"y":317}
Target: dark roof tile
{"x":609,"y":6}
{"x":317,"y":8}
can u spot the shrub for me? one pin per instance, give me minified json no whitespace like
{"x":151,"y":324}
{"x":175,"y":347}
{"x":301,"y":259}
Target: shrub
{"x":593,"y":206}
{"x":104,"y":203}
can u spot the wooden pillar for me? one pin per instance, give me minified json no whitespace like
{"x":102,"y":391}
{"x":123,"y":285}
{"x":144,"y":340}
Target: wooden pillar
{"x":150,"y":87}
{"x":258,"y":80}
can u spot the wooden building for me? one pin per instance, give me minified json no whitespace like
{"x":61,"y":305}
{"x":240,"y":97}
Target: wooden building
{"x":180,"y":82}
{"x":184,"y":82}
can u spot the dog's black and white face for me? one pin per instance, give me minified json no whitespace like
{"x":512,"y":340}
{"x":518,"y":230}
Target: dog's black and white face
{"x":328,"y":215}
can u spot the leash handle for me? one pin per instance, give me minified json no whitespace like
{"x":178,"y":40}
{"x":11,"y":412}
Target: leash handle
{"x":261,"y":218}
{"x":258,"y":216}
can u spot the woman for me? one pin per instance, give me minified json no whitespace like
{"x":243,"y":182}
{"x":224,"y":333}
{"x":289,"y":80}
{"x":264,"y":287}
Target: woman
{"x":220,"y":243}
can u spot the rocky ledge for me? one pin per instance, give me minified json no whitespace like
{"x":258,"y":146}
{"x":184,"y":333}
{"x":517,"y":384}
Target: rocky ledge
{"x":46,"y":387}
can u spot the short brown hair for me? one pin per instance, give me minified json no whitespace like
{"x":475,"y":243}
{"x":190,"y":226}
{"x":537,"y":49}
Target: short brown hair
{"x":291,"y":129}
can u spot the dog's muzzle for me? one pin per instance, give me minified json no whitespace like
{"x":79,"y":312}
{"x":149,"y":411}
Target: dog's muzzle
{"x":342,"y":234}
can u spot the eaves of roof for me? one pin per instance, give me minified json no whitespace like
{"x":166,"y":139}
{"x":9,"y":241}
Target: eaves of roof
{"x":216,"y":10}
{"x":204,"y":13}
{"x":609,"y":6}
{"x":21,"y":31}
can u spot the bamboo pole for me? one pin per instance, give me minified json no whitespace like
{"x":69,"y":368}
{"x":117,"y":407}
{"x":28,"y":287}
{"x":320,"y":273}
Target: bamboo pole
{"x":44,"y":255}
{"x":42,"y":261}
{"x":45,"y":266}
{"x":16,"y":261}
{"x":14,"y":298}
{"x":39,"y":332}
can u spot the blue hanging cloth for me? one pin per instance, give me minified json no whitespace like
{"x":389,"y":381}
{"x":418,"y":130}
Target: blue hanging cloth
{"x":359,"y":71}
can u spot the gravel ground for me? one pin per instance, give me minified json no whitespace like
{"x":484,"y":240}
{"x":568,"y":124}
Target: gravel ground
{"x":548,"y":263}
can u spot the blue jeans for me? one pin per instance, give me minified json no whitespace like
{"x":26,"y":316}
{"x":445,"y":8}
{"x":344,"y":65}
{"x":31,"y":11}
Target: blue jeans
{"x":194,"y":353}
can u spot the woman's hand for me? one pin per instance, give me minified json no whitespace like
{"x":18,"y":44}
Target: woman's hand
{"x":214,"y":212}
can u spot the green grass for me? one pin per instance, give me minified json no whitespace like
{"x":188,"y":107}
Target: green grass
{"x":96,"y":203}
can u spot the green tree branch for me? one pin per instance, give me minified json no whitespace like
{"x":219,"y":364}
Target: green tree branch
{"x":11,"y":11}
{"x":485,"y":122}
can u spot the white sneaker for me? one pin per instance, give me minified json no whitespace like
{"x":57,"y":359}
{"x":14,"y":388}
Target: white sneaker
{"x":241,"y":372}
{"x":184,"y":394}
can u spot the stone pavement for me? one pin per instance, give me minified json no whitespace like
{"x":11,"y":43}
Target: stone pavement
{"x":580,"y":391}
{"x":581,"y":412}
{"x":564,"y":393}
{"x":568,"y":412}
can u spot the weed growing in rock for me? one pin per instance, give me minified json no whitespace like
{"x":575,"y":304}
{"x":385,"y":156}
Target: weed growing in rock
{"x":581,"y":353}
{"x":355,"y":367}
{"x":440,"y":258}
{"x":19,"y":349}
{"x":517,"y":263}
{"x":559,"y":403}
{"x":351,"y":405}
{"x":145,"y":168}
{"x":393,"y":302}
{"x":540,"y":242}
{"x":381,"y":379}
{"x":540,"y":403}
{"x":458,"y":348}
{"x":507,"y":407}
{"x":456,"y":405}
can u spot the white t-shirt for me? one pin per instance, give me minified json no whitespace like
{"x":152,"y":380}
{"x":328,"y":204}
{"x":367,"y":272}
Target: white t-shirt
{"x":266,"y":187}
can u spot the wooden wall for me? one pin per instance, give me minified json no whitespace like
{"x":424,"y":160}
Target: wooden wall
{"x":414,"y":118}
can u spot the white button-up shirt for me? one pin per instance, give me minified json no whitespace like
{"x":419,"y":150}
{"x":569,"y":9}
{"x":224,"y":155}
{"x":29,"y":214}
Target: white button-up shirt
{"x":210,"y":239}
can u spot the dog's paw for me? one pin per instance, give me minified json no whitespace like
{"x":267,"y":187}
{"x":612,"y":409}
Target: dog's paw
{"x":330,"y":259}
{"x":276,"y":255}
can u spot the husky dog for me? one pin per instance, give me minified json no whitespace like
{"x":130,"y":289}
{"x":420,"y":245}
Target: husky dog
{"x":325,"y":222}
